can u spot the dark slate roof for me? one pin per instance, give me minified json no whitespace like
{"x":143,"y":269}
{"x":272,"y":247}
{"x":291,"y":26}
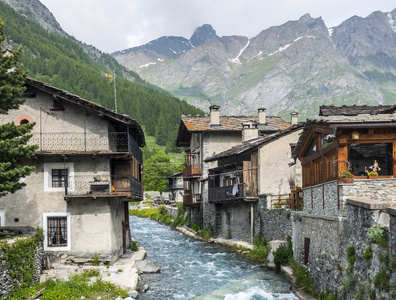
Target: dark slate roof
{"x":355,"y":110}
{"x":125,"y":120}
{"x":254,"y":143}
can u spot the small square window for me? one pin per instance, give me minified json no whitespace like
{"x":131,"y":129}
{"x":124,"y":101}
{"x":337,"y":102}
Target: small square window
{"x":59,"y":177}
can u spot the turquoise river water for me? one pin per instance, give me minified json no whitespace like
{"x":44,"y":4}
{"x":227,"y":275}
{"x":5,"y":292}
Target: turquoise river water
{"x":192,"y":269}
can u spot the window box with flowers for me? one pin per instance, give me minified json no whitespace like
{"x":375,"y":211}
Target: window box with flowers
{"x":346,"y":176}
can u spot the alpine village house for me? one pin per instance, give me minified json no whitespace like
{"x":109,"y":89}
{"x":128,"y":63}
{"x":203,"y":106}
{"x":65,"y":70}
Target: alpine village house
{"x":87,"y":167}
{"x":358,"y":142}
{"x":225,"y":169}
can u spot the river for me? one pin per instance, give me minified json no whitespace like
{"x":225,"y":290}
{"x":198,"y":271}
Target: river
{"x":192,"y":269}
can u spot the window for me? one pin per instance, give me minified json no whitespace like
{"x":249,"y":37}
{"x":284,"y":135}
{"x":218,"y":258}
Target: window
{"x":57,"y":231}
{"x":362,"y":157}
{"x":57,"y":175}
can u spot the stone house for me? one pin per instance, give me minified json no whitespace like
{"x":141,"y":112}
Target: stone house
{"x":176,"y":187}
{"x":250,"y":181}
{"x":205,"y":136}
{"x":87,"y":167}
{"x":337,"y":215}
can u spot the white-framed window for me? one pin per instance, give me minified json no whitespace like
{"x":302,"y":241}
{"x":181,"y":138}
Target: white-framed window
{"x":2,"y":218}
{"x":57,"y":231}
{"x":57,"y":175}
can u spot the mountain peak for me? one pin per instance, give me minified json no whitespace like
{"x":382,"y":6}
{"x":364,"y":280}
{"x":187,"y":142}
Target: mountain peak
{"x":203,"y":34}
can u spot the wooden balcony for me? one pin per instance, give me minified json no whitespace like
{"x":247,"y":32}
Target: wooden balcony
{"x":224,"y":194}
{"x":123,"y":186}
{"x":193,"y":170}
{"x":85,"y":142}
{"x":192,"y":199}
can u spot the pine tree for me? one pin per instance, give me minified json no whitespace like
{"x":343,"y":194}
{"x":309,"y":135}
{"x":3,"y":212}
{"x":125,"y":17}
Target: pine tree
{"x":13,"y":139}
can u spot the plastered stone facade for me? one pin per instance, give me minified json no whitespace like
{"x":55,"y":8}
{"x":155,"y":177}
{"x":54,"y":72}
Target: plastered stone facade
{"x":95,"y":224}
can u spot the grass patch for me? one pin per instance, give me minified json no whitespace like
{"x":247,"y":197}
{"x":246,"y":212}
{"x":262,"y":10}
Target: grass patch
{"x":78,"y":286}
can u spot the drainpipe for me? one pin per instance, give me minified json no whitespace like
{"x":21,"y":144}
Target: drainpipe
{"x":251,"y":222}
{"x":85,"y":133}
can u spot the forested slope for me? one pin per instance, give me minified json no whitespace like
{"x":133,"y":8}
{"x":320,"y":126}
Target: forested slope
{"x":63,"y":63}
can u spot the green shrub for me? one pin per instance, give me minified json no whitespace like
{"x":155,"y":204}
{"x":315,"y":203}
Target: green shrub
{"x":284,"y":254}
{"x":95,"y":260}
{"x":349,"y":280}
{"x":195,"y":227}
{"x":287,"y":214}
{"x":302,"y":277}
{"x":19,"y":257}
{"x":381,"y":280}
{"x":351,"y":255}
{"x":260,"y":250}
{"x":378,"y":236}
{"x":134,"y":246}
{"x":207,"y":232}
{"x":384,"y":257}
{"x":367,"y":254}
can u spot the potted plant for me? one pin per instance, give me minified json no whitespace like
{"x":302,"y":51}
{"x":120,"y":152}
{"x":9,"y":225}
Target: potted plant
{"x":374,"y":170}
{"x":346,"y":176}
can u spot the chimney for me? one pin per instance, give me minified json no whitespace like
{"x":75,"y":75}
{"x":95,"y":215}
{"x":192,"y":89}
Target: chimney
{"x":214,"y":115}
{"x":294,"y":119}
{"x":249,"y":131}
{"x":262,"y":118}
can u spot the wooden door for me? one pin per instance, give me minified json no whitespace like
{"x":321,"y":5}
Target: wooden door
{"x":122,"y":176}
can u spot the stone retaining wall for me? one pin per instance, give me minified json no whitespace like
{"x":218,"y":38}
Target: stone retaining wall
{"x":7,"y":284}
{"x":329,"y":238}
{"x":274,"y":225}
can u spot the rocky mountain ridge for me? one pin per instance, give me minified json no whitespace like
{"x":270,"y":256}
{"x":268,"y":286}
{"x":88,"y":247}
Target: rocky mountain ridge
{"x":299,"y":65}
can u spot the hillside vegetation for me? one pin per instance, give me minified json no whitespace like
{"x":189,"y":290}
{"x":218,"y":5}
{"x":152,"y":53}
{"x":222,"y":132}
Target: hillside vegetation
{"x":62,"y":62}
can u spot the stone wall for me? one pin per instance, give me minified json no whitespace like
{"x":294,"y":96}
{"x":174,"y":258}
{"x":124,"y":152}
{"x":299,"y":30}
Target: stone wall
{"x":322,"y":199}
{"x":7,"y":284}
{"x":233,"y":220}
{"x":392,"y":230}
{"x":273,"y":223}
{"x":329,"y":238}
{"x":382,"y":189}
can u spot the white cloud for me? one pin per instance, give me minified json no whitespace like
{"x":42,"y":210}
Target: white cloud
{"x":121,"y":24}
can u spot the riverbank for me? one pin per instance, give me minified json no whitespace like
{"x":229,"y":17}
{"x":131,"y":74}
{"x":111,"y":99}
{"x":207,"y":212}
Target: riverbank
{"x":123,"y":273}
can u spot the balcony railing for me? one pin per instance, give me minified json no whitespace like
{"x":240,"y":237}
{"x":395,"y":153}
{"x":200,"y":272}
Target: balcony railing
{"x":93,"y":185}
{"x":80,"y":141}
{"x":192,"y":170}
{"x":175,"y":186}
{"x":192,"y":199}
{"x":225,"y":193}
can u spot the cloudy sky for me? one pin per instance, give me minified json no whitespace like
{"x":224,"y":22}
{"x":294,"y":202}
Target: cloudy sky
{"x":112,"y":25}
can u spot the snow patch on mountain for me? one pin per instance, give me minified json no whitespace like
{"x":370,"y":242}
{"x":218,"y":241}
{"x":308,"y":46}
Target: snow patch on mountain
{"x":391,"y":21}
{"x":236,"y":59}
{"x":281,"y":49}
